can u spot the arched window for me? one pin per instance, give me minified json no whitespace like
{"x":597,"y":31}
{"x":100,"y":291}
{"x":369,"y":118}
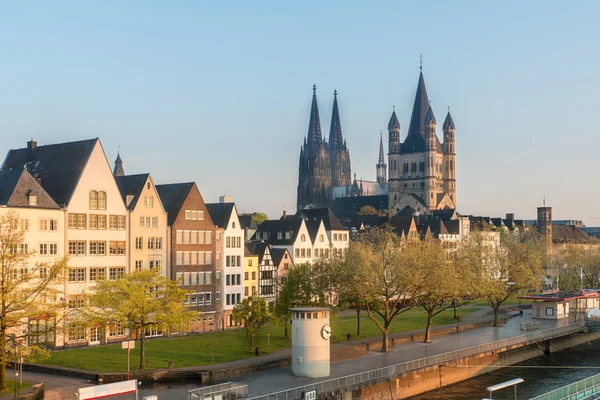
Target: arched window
{"x":303,"y":238}
{"x":93,"y":200}
{"x":101,"y":200}
{"x":321,"y":238}
{"x":233,"y":224}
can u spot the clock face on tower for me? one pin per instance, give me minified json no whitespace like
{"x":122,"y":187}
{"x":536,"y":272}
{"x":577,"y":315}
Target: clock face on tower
{"x":326,"y":332}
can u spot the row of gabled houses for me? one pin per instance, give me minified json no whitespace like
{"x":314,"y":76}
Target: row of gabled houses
{"x":71,"y":203}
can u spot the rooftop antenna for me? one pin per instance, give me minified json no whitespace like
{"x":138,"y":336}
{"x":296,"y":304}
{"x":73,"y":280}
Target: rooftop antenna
{"x":544,"y":199}
{"x":421,"y":64}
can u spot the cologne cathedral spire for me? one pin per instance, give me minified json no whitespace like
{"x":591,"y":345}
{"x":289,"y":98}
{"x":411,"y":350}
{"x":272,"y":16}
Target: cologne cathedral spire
{"x":314,"y":125}
{"x":335,"y":132}
{"x":338,"y":152}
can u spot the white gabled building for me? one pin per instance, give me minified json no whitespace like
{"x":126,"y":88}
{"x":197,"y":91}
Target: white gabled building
{"x":43,"y":222}
{"x":78,"y":177}
{"x":307,"y":236}
{"x":225,"y":216}
{"x":146,"y":223}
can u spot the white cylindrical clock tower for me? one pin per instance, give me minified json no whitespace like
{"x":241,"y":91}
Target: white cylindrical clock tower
{"x":310,"y":342}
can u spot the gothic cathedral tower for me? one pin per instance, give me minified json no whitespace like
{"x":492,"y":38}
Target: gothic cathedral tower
{"x":322,"y":165}
{"x":338,"y":151}
{"x":421,"y":169}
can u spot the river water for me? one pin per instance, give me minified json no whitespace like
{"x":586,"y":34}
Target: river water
{"x":541,"y":374}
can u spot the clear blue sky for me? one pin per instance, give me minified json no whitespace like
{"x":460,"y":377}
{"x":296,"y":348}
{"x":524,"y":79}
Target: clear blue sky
{"x":219,"y":92}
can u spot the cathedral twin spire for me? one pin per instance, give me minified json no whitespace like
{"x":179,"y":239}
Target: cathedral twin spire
{"x":336,"y":139}
{"x":323,"y":164}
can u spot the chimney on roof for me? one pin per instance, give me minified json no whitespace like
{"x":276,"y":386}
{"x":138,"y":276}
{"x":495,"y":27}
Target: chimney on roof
{"x":284,"y":213}
{"x":510,"y":216}
{"x":31,"y":146}
{"x":225,"y":199}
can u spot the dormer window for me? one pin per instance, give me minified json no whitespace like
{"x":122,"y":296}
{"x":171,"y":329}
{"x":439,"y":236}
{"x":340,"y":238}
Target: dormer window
{"x":32,"y":199}
{"x":288,"y":234}
{"x":258,"y":235}
{"x":279,"y":235}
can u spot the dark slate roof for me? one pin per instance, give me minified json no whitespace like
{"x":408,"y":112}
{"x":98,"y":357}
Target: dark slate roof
{"x":272,"y":226}
{"x":448,"y":122}
{"x":173,"y":196}
{"x":330,"y":221}
{"x":420,"y":107}
{"x":247,"y":222}
{"x":220,"y":213}
{"x":406,"y":211}
{"x":401,"y":224}
{"x":569,"y":233}
{"x":446,"y":214}
{"x":368,"y":221}
{"x":429,"y":117}
{"x":256,"y":249}
{"x":131,"y":185}
{"x":312,"y":226}
{"x":345,"y":207}
{"x":15,"y":187}
{"x":278,"y":254}
{"x":497,"y":222}
{"x":435,"y":225}
{"x":58,"y":166}
{"x":394,"y":123}
{"x":453,"y":226}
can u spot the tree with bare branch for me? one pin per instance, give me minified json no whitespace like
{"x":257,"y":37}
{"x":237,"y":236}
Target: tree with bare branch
{"x":29,"y":293}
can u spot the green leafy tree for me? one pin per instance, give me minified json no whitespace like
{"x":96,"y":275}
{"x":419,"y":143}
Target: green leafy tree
{"x":25,"y":293}
{"x":580,"y":267}
{"x":442,"y":284}
{"x":253,"y":313}
{"x":141,"y":300}
{"x":509,"y":264}
{"x":383,"y":271}
{"x":298,"y":290}
{"x":259,"y":217}
{"x":368,"y":210}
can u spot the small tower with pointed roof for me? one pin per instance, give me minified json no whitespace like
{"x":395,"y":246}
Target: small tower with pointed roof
{"x":381,"y":165}
{"x":450,"y":157}
{"x":118,"y":171}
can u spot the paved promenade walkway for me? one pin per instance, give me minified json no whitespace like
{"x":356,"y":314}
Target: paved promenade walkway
{"x":274,"y":380}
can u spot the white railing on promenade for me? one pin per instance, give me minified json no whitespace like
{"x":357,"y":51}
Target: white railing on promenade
{"x":228,"y":390}
{"x":397,"y":369}
{"x":575,"y":391}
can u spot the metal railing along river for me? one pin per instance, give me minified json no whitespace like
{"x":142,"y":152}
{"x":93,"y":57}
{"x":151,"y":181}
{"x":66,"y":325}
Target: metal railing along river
{"x":397,"y":369}
{"x":575,"y":391}
{"x":224,"y":391}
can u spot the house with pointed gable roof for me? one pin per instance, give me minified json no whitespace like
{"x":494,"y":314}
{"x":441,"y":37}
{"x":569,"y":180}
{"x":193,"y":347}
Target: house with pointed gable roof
{"x":78,"y":177}
{"x":225,"y":216}
{"x":192,"y":260}
{"x":146,"y":221}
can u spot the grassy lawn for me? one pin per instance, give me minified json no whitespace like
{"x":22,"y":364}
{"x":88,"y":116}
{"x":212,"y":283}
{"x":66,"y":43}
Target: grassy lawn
{"x":10,"y":387}
{"x":194,"y":350}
